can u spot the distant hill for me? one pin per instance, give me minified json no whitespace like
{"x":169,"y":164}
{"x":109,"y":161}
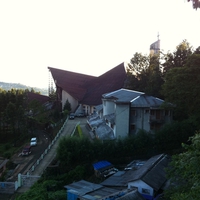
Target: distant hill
{"x":9,"y":86}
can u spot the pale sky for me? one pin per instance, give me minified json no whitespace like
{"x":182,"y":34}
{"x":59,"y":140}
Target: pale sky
{"x":87,"y":36}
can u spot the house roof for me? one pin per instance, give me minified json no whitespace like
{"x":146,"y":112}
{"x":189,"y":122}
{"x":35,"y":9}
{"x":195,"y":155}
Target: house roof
{"x":104,"y":132}
{"x":82,"y":187}
{"x":89,"y":89}
{"x":116,"y":180}
{"x":152,"y":173}
{"x":35,"y":96}
{"x":101,"y":193}
{"x":95,"y":122}
{"x":137,"y":99}
{"x":110,"y":117}
{"x":157,"y":173}
{"x":92,"y":191}
{"x":147,"y":101}
{"x":122,"y":95}
{"x":72,"y":82}
{"x":99,"y":108}
{"x":133,"y":195}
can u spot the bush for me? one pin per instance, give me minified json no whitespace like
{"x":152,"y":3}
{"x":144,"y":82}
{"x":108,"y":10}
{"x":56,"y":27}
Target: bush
{"x":7,"y":155}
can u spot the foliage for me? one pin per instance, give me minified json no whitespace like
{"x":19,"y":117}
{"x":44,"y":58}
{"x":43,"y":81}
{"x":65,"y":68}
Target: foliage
{"x":67,"y":106}
{"x":9,"y":86}
{"x":195,"y":4}
{"x":144,"y":74}
{"x":52,"y":95}
{"x":50,"y":189}
{"x":182,"y":88}
{"x":178,"y":58}
{"x":170,"y":137}
{"x":184,"y":172}
{"x":20,"y":116}
{"x":169,"y":76}
{"x":12,"y":115}
{"x":76,"y":155}
{"x":74,"y":151}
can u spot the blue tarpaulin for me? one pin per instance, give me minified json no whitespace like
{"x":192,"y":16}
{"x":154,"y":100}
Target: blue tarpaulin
{"x":101,"y":164}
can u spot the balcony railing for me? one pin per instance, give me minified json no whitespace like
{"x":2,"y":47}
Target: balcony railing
{"x":156,"y":119}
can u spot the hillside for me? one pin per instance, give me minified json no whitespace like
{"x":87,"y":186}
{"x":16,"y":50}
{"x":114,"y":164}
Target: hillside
{"x":9,"y":86}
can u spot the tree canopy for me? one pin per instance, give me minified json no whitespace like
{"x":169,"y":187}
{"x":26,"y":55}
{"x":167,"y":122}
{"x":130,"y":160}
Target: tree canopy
{"x":182,"y":87}
{"x":144,"y":74}
{"x":173,"y":76}
{"x":195,"y":4}
{"x":184,"y":172}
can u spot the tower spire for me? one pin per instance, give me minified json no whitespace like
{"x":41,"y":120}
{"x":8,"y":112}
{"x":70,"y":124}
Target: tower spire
{"x":155,"y":47}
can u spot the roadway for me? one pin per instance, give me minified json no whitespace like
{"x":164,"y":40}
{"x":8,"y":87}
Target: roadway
{"x":24,"y":163}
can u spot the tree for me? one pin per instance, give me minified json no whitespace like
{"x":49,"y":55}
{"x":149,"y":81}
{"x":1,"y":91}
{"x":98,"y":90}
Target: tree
{"x":11,"y":116}
{"x":182,"y":87}
{"x":178,"y":58}
{"x":144,"y":74}
{"x":138,"y":64}
{"x":67,"y":106}
{"x":195,"y":3}
{"x":184,"y":172}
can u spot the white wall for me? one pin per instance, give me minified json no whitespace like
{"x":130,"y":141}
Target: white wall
{"x":108,"y":107}
{"x":72,"y":101}
{"x":141,"y":185}
{"x":122,"y":120}
{"x":125,"y":120}
{"x":121,"y":111}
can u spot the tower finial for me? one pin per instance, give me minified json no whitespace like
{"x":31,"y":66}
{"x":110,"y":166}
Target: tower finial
{"x":158,"y":35}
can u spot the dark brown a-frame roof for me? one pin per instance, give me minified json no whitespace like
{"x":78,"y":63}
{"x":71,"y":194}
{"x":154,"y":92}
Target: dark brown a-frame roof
{"x":89,"y":89}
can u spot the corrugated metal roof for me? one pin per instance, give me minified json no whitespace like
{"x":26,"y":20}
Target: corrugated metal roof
{"x":104,"y":132}
{"x":96,"y":123}
{"x":116,"y":180}
{"x":110,"y":117}
{"x":137,"y":99}
{"x":99,"y":107}
{"x":134,"y":195}
{"x":100,"y":193}
{"x":156,"y":177}
{"x":92,"y":117}
{"x":122,"y":95}
{"x":82,"y":187}
{"x":152,"y":173}
{"x":147,"y":101}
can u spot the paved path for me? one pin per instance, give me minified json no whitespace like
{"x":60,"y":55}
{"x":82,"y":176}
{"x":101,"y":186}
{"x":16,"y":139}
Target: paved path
{"x":49,"y":157}
{"x":68,"y":129}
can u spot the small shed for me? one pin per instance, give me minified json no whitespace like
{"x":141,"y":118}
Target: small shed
{"x":104,"y":169}
{"x":84,"y":190}
{"x":150,"y":179}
